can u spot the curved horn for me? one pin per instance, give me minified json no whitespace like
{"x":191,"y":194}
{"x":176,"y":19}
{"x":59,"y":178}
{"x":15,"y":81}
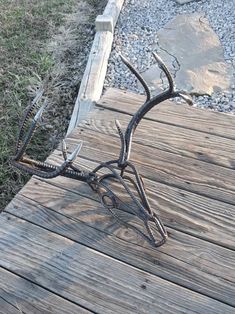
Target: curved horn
{"x":163,"y":67}
{"x":146,"y":107}
{"x":26,"y":117}
{"x":138,"y":76}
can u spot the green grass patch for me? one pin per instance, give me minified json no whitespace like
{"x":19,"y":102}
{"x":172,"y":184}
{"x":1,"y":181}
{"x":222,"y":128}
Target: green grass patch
{"x":25,"y":28}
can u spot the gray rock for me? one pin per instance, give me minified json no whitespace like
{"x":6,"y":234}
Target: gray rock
{"x":183,"y":1}
{"x":226,"y":106}
{"x":232,"y":104}
{"x":153,"y":78}
{"x":194,"y":55}
{"x":144,"y":19}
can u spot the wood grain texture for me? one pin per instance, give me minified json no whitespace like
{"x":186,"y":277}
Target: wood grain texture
{"x":113,"y":9}
{"x":168,"y":112}
{"x":7,"y":308}
{"x":56,"y":235}
{"x":108,"y":20}
{"x":189,"y":143}
{"x":197,"y":215}
{"x":92,"y":82}
{"x":92,"y":279}
{"x":186,"y":173}
{"x":184,"y":260}
{"x":26,"y":297}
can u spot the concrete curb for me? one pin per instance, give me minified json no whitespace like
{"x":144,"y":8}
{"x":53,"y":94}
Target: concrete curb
{"x":93,"y":79}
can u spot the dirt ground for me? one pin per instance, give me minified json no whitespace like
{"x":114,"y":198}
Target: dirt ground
{"x":42,"y":43}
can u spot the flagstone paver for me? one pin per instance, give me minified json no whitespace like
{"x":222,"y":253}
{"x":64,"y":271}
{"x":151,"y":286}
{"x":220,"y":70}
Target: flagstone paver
{"x":193,"y":50}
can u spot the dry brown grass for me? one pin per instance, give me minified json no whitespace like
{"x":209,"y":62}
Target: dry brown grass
{"x":40,"y":39}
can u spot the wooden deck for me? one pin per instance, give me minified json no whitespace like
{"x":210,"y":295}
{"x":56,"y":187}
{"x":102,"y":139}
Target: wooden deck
{"x":61,"y":252}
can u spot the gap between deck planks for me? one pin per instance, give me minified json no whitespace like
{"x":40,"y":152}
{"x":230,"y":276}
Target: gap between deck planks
{"x":178,"y":140}
{"x":185,"y":260}
{"x":186,"y":173}
{"x":168,"y":112}
{"x":89,"y":278}
{"x":182,"y":210}
{"x":185,"y":211}
{"x":18,"y":295}
{"x":198,"y":265}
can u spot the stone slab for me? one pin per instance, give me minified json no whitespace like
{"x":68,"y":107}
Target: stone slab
{"x":193,"y":52}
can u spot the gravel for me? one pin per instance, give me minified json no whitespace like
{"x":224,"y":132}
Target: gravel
{"x":136,"y":30}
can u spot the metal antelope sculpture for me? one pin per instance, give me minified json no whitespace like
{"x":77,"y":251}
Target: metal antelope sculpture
{"x":119,"y":171}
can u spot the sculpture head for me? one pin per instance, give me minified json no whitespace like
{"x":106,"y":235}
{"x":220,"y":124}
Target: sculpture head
{"x":117,"y":182}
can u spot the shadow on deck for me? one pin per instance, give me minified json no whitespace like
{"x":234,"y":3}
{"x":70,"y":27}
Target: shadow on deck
{"x":62,"y":252}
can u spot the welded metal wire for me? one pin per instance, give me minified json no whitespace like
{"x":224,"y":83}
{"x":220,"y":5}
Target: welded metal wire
{"x":138,"y":76}
{"x":120,"y":170}
{"x":27,"y":115}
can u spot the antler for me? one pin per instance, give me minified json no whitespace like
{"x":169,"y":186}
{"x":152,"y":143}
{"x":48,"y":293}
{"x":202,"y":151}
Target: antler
{"x":147,"y":106}
{"x":120,"y":171}
{"x":35,"y":167}
{"x":138,"y":76}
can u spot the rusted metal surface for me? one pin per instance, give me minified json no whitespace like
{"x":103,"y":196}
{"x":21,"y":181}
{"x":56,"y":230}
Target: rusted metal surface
{"x":105,"y":177}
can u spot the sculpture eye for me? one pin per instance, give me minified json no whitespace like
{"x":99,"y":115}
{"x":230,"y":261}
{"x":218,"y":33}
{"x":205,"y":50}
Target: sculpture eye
{"x":108,"y":200}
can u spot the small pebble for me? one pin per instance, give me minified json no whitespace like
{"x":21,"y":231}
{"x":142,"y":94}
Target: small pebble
{"x":136,"y":32}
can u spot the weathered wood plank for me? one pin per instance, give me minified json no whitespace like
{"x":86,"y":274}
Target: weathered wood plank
{"x":189,"y":267}
{"x":93,"y":78}
{"x":181,"y":115}
{"x":197,"y":215}
{"x":7,"y":308}
{"x":186,"y":173}
{"x":26,"y":297}
{"x":104,"y":23}
{"x":113,"y":9}
{"x":189,"y":143}
{"x":86,"y":277}
{"x":108,"y":20}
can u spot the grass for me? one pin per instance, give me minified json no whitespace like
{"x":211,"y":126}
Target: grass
{"x":39,"y":39}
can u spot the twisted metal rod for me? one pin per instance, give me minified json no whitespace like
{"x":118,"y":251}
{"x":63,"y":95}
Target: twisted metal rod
{"x":27,"y":115}
{"x":138,"y":76}
{"x":147,"y":106}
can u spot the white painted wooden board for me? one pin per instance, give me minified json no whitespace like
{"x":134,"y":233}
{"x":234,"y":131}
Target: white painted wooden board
{"x":104,"y":23}
{"x":93,"y":79}
{"x":113,"y":9}
{"x":108,"y":20}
